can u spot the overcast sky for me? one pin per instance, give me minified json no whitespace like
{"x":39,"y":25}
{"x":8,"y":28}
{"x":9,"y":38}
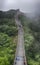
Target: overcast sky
{"x":23,"y":5}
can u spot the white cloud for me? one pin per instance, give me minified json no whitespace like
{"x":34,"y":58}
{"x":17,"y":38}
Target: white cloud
{"x":24,"y":5}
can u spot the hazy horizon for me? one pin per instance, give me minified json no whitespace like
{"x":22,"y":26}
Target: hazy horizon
{"x":24,"y":5}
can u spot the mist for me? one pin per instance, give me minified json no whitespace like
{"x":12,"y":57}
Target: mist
{"x":27,"y":6}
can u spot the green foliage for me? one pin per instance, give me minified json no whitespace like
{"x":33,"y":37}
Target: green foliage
{"x":6,"y":21}
{"x":35,"y":26}
{"x":32,"y":40}
{"x":8,"y":31}
{"x":7,"y":14}
{"x":7,"y":50}
{"x":8,"y":26}
{"x":33,"y":62}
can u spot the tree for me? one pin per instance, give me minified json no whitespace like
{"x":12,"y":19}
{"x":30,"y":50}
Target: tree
{"x":38,"y":10}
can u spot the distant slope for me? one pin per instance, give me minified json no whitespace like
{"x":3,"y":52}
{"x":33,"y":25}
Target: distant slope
{"x":7,"y":14}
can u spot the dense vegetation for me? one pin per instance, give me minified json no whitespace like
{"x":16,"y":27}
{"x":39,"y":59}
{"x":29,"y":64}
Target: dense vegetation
{"x":7,"y":50}
{"x":8,"y":33}
{"x":7,"y":14}
{"x":32,"y":40}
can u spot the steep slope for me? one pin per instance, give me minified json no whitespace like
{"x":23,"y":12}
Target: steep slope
{"x":32,"y":40}
{"x":8,"y":37}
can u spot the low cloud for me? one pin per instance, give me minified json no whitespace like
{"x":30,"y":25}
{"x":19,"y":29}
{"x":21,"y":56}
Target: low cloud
{"x":23,"y":5}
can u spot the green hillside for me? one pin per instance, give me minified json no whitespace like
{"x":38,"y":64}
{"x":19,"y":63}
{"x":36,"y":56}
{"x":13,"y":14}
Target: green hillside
{"x":8,"y":37}
{"x":32,"y":40}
